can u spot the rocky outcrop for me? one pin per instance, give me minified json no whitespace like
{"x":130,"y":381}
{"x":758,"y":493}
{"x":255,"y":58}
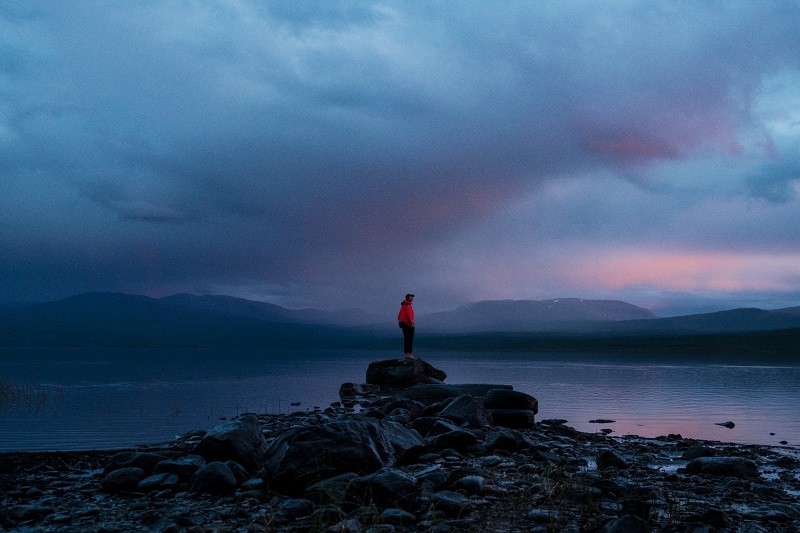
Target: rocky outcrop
{"x":401,"y":373}
{"x":239,"y":440}
{"x":431,"y":393}
{"x":308,"y":454}
{"x":406,"y":442}
{"x":465,"y":410}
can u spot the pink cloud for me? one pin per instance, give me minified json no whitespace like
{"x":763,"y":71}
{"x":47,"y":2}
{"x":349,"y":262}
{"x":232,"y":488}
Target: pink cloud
{"x":675,"y":127}
{"x":691,"y":271}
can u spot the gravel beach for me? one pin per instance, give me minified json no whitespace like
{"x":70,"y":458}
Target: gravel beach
{"x":380,"y":461}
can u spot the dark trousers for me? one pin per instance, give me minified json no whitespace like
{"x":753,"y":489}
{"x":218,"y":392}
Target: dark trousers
{"x":408,"y":338}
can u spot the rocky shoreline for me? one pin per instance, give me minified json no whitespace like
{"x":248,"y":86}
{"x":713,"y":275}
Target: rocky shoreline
{"x":405,"y":452}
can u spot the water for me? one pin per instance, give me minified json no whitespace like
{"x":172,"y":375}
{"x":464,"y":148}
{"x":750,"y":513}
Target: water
{"x":93,"y":399}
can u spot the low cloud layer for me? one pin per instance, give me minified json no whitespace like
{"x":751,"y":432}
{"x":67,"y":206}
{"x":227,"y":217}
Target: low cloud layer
{"x":344,"y":153}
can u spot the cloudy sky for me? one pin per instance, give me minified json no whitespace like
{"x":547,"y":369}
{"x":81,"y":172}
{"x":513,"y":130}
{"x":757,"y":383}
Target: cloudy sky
{"x":340,"y":154}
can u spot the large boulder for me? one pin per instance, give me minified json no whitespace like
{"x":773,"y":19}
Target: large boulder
{"x":723,"y":466}
{"x":144,"y":460}
{"x":308,"y":454}
{"x":466,"y":410}
{"x":214,"y":478}
{"x":430,"y":426}
{"x":240,"y":440}
{"x":330,"y":491}
{"x":407,"y":443}
{"x":511,"y":409}
{"x":510,"y":399}
{"x":513,"y":418}
{"x":431,"y":393}
{"x":123,"y":479}
{"x":458,"y":439}
{"x":402,"y":373}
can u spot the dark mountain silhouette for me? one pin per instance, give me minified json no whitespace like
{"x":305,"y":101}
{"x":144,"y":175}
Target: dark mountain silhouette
{"x":115,"y":319}
{"x":563,"y":314}
{"x":123,"y":320}
{"x":734,"y":320}
{"x":230,"y":305}
{"x":794,"y":311}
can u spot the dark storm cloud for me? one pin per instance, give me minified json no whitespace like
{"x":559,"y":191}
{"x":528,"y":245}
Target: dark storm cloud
{"x":281,"y":148}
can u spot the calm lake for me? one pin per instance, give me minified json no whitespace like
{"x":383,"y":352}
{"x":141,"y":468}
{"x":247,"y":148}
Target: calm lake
{"x":74,"y":399}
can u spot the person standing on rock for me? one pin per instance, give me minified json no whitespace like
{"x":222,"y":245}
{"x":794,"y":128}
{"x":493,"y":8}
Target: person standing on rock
{"x":406,"y":320}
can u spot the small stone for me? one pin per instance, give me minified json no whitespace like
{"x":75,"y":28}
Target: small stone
{"x":327,"y":514}
{"x":158,"y":481}
{"x":450,"y":503}
{"x":544,"y":515}
{"x":397,"y":517}
{"x":28,"y":513}
{"x":609,"y":459}
{"x":184,"y":467}
{"x":294,"y":508}
{"x":385,"y":488}
{"x":472,"y":485}
{"x":698,"y":451}
{"x":255,"y":483}
{"x":458,"y":439}
{"x":713,"y":517}
{"x":123,"y":479}
{"x":626,"y":524}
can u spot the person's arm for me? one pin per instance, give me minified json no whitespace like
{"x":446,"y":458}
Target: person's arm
{"x":402,"y":316}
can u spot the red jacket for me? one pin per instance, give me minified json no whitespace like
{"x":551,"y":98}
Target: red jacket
{"x":406,"y":314}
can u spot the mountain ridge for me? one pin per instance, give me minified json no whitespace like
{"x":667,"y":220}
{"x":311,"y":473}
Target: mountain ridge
{"x":119,"y":319}
{"x":531,"y":315}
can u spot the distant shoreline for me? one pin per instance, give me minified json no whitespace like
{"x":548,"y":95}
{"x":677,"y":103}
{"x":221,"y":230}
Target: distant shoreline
{"x":778,"y":345}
